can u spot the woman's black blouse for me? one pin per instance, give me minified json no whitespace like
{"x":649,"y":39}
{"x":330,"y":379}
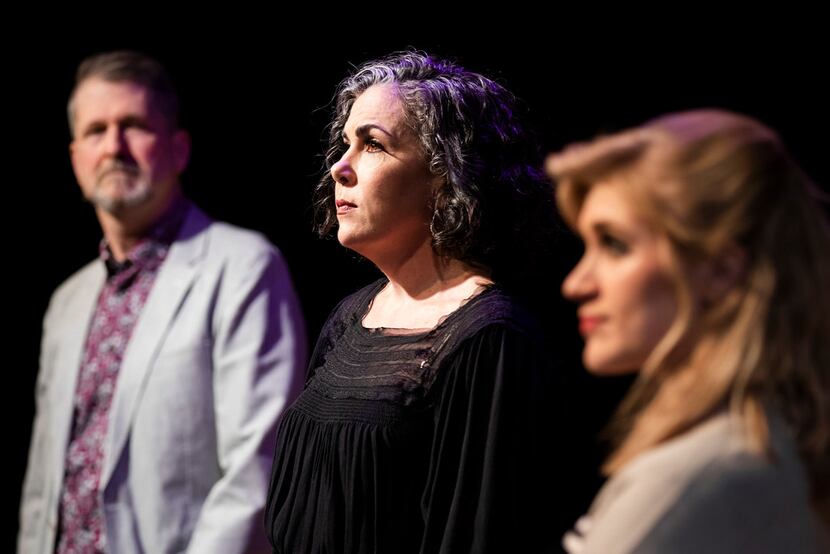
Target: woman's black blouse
{"x":417,"y":441}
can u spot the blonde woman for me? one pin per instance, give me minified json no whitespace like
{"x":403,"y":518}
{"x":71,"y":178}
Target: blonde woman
{"x":707,"y":270}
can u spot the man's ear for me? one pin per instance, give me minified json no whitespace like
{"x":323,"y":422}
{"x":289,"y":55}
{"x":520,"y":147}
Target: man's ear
{"x":72,"y":147}
{"x":181,"y":149}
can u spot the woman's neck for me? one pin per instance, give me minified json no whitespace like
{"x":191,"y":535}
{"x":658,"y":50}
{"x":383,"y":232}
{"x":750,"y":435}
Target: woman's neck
{"x":422,"y":289}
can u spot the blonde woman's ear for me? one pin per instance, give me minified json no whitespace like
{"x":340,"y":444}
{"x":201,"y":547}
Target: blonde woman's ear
{"x":719,"y":275}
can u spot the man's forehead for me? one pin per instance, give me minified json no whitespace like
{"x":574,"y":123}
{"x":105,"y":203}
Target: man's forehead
{"x":98,"y":98}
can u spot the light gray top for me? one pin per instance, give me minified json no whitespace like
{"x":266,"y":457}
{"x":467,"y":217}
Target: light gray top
{"x":705,"y":491}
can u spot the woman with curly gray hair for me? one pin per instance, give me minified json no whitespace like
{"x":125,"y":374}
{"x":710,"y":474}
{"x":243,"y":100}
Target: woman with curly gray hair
{"x":420,"y":426}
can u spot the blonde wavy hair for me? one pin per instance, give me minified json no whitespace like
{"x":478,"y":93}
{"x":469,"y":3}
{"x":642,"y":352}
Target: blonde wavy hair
{"x":710,"y":180}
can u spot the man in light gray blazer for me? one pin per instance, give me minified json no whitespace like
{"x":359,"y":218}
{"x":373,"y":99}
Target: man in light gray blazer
{"x":166,"y":363}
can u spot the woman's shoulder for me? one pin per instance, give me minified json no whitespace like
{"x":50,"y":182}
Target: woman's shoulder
{"x":719,"y":449}
{"x":496,"y":308}
{"x":352,"y":304}
{"x":488,"y":325}
{"x":707,"y":479}
{"x":344,"y":314}
{"x":716,"y":458}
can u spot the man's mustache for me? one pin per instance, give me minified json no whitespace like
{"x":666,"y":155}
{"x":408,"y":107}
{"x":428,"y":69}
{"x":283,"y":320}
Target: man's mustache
{"x":118,"y":165}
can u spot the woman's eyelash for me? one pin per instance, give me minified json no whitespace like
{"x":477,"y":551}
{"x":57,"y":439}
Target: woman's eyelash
{"x":612,"y":243}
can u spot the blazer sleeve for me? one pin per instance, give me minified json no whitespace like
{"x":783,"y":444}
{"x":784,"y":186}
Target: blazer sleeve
{"x":34,"y":504}
{"x":54,"y":391}
{"x":259,"y":355}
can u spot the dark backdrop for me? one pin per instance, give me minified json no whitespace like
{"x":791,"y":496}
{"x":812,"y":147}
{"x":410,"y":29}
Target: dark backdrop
{"x":256,"y":104}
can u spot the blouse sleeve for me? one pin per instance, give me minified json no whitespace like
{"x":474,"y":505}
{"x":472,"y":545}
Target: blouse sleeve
{"x":488,"y":487}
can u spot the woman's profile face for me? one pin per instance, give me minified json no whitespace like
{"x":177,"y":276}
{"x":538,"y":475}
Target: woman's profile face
{"x":383,"y":187}
{"x":626,"y":298}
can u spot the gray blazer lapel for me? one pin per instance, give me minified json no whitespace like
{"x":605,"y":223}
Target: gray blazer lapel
{"x":172,"y":285}
{"x":71,"y":335}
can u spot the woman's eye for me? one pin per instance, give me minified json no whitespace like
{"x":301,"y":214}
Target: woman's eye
{"x":373,"y":146}
{"x":613,"y":244}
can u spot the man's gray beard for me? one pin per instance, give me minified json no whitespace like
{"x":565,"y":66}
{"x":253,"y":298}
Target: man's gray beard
{"x":138,"y":195}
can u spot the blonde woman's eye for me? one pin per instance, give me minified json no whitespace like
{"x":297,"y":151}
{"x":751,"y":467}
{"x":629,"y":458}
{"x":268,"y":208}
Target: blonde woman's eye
{"x":613,"y":244}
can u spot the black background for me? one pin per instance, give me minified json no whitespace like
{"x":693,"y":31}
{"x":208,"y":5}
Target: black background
{"x":256,"y":103}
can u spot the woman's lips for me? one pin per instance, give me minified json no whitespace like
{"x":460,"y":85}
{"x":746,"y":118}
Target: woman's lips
{"x":344,"y":206}
{"x":588,"y":324}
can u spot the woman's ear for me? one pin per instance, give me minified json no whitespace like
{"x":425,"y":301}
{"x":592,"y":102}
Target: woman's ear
{"x":718,"y":275}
